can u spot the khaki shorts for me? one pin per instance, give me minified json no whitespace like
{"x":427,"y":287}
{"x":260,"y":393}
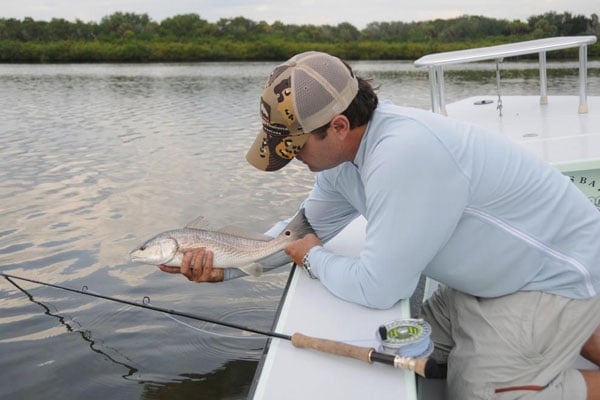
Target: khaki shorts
{"x":526,"y":338}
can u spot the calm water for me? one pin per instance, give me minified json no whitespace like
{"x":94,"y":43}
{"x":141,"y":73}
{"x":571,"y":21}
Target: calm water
{"x":94,"y":159}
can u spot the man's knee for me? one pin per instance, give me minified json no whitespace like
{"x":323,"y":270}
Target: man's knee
{"x":591,"y":348}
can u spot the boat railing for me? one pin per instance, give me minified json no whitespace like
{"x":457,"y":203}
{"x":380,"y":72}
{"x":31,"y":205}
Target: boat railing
{"x":435,"y":64}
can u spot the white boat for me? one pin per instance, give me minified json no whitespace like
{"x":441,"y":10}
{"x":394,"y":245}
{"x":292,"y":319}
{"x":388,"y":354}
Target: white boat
{"x":563,"y":130}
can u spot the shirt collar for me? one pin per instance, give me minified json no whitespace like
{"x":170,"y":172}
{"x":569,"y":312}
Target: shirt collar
{"x":359,"y":158}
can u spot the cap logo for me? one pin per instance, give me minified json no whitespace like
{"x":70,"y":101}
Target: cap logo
{"x":264,"y":146}
{"x":287,"y":149}
{"x":272,"y":129}
{"x":285,"y":106}
{"x":265,"y":110}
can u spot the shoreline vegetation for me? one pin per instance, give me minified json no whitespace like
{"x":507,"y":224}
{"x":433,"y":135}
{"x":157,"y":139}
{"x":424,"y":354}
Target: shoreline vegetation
{"x":135,"y":38}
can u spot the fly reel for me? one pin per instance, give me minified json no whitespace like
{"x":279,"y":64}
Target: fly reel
{"x":406,"y":337}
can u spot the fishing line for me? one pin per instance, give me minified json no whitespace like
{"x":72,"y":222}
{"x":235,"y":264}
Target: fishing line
{"x":147,"y":306}
{"x":170,"y":314}
{"x":212,"y":332}
{"x":146,"y":300}
{"x":424,"y":367}
{"x":94,"y":344}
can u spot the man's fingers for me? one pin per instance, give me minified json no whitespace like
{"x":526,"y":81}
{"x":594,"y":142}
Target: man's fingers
{"x":197,"y":266}
{"x":206,"y":272}
{"x":199,"y":260}
{"x":185,"y":263}
{"x":170,"y":270}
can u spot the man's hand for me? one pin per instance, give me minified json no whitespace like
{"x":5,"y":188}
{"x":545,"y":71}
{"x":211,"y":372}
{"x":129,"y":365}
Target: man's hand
{"x":196,"y":265}
{"x":298,"y":248}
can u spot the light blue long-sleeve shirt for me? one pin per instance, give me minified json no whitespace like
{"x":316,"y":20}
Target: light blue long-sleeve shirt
{"x":463,"y":206}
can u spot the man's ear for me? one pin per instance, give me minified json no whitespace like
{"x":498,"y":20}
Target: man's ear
{"x":340,"y":125}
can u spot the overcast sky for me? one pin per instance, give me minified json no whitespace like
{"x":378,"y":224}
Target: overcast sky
{"x":317,"y":12}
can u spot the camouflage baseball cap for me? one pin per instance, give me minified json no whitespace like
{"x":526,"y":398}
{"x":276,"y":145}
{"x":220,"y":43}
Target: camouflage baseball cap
{"x":301,"y":95}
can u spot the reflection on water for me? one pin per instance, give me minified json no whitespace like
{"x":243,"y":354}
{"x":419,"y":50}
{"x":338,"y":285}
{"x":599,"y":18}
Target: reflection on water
{"x":94,"y":160}
{"x":214,"y":385}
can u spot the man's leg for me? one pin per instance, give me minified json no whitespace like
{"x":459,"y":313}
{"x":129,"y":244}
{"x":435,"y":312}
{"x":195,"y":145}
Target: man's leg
{"x":525,"y":340}
{"x":591,"y":352}
{"x":591,"y":348}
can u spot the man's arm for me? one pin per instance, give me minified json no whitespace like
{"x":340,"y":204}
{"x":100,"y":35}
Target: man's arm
{"x":415,"y":195}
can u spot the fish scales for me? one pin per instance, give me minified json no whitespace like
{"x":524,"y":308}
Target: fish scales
{"x":230,"y":250}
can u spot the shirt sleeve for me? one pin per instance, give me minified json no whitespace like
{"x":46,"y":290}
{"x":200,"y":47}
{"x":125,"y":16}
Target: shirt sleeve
{"x":415,"y":195}
{"x":327,"y":207}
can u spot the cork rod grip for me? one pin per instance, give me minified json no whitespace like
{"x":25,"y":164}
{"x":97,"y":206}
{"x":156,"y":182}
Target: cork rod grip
{"x":417,"y":365}
{"x":332,"y":347}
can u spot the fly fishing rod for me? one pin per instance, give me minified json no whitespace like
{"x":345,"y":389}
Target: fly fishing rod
{"x":424,"y":367}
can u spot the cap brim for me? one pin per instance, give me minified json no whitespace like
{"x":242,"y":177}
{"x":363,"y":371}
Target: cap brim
{"x":271,"y":153}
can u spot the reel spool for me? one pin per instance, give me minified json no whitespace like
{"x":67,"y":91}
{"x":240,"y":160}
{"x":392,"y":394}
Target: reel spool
{"x":406,"y":337}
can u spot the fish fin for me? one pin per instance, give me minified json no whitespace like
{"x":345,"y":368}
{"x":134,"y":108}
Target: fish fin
{"x":254,"y":269}
{"x":239,"y":232}
{"x":199,"y":223}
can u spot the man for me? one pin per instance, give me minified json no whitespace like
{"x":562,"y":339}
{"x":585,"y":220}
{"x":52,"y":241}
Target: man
{"x":514,"y":243}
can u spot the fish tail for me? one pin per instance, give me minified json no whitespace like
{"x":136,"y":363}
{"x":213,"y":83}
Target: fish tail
{"x":254,"y":269}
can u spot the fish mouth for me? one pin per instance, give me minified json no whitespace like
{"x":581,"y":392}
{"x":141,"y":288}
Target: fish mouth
{"x":138,"y":256}
{"x":134,"y":256}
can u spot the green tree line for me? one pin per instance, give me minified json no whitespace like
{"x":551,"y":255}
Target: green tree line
{"x":130,"y":37}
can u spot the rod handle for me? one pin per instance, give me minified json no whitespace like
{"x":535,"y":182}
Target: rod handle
{"x":421,"y":366}
{"x":425,"y":367}
{"x":332,"y":347}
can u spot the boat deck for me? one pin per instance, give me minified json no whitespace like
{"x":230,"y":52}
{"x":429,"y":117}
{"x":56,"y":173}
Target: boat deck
{"x":563,"y":130}
{"x":556,"y":131}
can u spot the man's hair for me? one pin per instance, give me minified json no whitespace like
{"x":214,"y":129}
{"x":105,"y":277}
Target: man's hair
{"x":360,"y":110}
